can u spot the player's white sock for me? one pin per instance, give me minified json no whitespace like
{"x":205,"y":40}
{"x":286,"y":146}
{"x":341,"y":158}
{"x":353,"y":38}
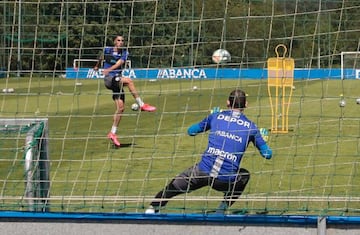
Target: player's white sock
{"x":139,"y":101}
{"x":113,"y":129}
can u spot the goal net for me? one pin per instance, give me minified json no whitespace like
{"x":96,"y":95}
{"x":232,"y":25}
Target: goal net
{"x":46,"y":46}
{"x":25,"y":142}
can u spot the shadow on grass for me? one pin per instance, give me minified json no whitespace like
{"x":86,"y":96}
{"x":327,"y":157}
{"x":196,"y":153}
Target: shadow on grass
{"x":124,"y":145}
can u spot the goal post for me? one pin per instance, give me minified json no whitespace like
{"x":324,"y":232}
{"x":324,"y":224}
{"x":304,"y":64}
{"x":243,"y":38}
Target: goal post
{"x":35,"y":158}
{"x":350,"y":65}
{"x":37,"y":167}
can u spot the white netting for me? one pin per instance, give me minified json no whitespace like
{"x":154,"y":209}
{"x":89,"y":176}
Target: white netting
{"x":315,"y":167}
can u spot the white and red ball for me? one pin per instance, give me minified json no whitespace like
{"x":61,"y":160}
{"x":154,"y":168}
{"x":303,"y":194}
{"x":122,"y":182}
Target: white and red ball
{"x":221,"y":56}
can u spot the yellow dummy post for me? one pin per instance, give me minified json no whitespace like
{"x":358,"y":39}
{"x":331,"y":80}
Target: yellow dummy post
{"x":280,"y":88}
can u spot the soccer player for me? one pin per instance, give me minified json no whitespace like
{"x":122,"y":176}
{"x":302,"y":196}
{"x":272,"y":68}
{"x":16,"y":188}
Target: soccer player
{"x":114,"y":59}
{"x":230,"y":132}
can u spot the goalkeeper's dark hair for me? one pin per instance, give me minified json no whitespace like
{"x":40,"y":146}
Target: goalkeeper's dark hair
{"x":237,"y":99}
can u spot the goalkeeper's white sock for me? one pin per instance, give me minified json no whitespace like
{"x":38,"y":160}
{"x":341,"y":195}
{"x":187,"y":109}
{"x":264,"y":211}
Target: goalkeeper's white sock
{"x":139,"y":101}
{"x":113,"y":129}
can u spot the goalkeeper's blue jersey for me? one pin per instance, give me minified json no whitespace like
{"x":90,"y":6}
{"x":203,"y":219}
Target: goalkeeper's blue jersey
{"x":230,"y":133}
{"x":111,"y":57}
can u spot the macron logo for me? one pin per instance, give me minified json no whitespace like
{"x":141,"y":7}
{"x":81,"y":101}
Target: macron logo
{"x":222,"y":153}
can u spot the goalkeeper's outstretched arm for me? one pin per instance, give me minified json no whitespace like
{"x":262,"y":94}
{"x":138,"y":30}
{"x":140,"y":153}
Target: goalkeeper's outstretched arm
{"x":199,"y":127}
{"x":261,"y":138}
{"x":265,"y":151}
{"x":194,"y":129}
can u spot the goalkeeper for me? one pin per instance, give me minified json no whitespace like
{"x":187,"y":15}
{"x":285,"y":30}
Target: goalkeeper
{"x":114,"y":60}
{"x":230,"y":133}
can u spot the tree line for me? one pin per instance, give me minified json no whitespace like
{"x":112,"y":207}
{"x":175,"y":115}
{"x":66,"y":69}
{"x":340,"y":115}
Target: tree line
{"x":179,"y":32}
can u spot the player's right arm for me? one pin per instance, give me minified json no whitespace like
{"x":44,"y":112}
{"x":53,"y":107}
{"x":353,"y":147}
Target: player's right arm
{"x":100,"y":59}
{"x":114,"y":66}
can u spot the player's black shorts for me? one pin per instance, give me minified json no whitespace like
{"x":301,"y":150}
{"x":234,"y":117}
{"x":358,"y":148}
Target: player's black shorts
{"x":114,"y":83}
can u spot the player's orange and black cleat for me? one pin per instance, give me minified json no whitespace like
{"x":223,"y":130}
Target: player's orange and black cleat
{"x":148,"y":108}
{"x":114,"y":139}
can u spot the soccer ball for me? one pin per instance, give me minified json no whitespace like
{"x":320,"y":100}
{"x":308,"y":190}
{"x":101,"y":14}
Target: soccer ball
{"x":358,"y":100}
{"x":342,"y":103}
{"x":135,"y":107}
{"x":221,"y":56}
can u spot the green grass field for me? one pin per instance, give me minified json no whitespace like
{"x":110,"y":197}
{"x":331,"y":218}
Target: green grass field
{"x":315,"y":168}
